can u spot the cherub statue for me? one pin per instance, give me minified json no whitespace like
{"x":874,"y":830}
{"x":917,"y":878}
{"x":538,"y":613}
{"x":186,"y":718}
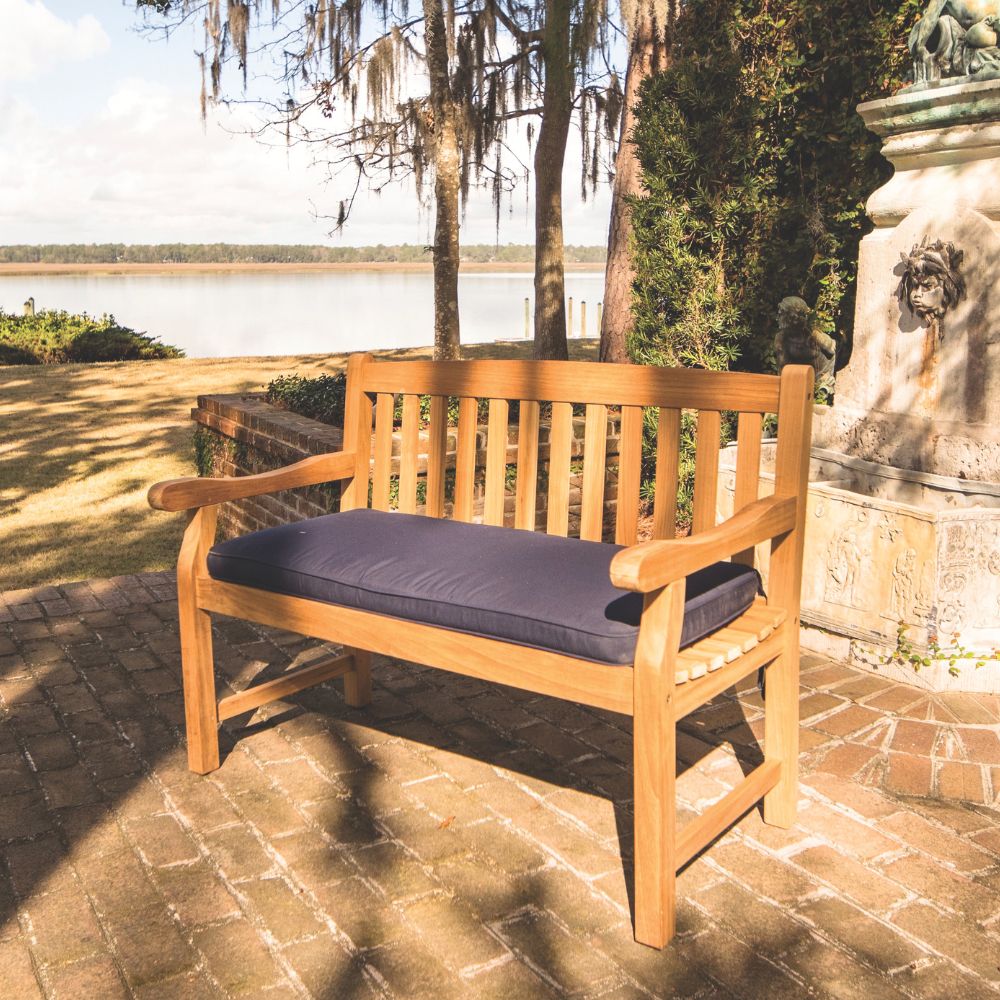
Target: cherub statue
{"x":956,"y":38}
{"x":798,"y":342}
{"x":932,"y":281}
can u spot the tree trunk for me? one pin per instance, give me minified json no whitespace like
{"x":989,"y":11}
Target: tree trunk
{"x":550,"y":153}
{"x":447,"y":343}
{"x":647,"y":55}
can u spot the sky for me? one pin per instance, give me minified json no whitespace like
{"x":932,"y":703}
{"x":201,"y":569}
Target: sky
{"x":101,"y":140}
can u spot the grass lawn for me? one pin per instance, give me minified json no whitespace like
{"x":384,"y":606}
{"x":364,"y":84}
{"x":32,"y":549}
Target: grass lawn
{"x":81,"y":444}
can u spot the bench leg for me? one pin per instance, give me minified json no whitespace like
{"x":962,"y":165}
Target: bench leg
{"x":655,"y":767}
{"x":358,"y":682}
{"x":781,"y":732}
{"x":200,"y":712}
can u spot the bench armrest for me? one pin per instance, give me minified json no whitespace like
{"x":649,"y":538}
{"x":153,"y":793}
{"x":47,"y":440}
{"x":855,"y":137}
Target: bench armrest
{"x":194,"y":491}
{"x":649,"y":566}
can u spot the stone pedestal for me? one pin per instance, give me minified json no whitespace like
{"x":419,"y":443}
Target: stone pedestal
{"x":918,"y":396}
{"x":904,"y":507}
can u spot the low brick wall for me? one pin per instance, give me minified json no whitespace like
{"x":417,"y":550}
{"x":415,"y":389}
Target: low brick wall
{"x":239,"y":435}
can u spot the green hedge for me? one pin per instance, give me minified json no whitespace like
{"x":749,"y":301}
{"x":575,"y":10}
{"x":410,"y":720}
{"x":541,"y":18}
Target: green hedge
{"x":757,"y":168}
{"x":58,"y":337}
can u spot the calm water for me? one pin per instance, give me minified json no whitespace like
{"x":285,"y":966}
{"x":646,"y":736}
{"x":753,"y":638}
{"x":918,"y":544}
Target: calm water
{"x":220,"y":315}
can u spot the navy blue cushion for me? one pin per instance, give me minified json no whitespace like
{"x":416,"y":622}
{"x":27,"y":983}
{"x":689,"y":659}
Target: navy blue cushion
{"x":519,"y":586}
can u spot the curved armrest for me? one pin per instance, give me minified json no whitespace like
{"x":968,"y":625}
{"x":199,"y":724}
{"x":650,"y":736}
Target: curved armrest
{"x":184,"y":494}
{"x":651,"y":565}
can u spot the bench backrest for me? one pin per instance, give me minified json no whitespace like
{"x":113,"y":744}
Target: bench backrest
{"x":371,"y":396}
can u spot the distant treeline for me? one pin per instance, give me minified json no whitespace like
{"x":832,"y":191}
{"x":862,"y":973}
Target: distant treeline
{"x":272,"y":253}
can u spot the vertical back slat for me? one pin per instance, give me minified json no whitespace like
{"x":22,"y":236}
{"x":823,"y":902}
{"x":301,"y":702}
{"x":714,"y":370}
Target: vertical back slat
{"x":408,"y":454}
{"x":629,"y":475}
{"x":706,"y":470}
{"x":357,"y":433}
{"x":668,"y":451}
{"x":748,"y":433}
{"x":527,"y":466}
{"x":560,"y":445}
{"x":465,"y":459}
{"x":437,"y":450}
{"x":595,"y":447}
{"x":384,"y":406}
{"x":496,"y":461}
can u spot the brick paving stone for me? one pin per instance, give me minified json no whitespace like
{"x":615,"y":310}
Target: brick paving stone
{"x":836,"y":974}
{"x":568,"y":962}
{"x":938,"y":885}
{"x":759,"y":923}
{"x":854,"y":880}
{"x":196,"y":894}
{"x":360,"y":913}
{"x":281,"y":908}
{"x":452,"y":933}
{"x":96,"y":976}
{"x":957,"y":780}
{"x":766,"y":876}
{"x":326,"y":969}
{"x":848,"y":720}
{"x":24,"y":815}
{"x":847,"y":834}
{"x":194,"y":985}
{"x":741,"y":971}
{"x":910,"y":775}
{"x":917,"y":832}
{"x":914,"y":737}
{"x":63,"y":927}
{"x":876,"y":943}
{"x":847,"y":759}
{"x":149,"y":946}
{"x":409,"y":970}
{"x":393,"y":870}
{"x":237,"y":958}
{"x":950,"y":935}
{"x":940,"y":980}
{"x":16,"y":971}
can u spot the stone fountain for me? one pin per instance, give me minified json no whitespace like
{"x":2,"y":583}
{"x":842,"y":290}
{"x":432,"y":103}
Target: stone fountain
{"x":904,"y":503}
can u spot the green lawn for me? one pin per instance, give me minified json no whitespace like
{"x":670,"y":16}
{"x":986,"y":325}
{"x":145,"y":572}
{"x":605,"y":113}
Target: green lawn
{"x":81,"y":444}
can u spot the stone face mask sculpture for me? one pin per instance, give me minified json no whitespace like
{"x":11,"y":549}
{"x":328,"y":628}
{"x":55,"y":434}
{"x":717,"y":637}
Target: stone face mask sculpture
{"x":932,"y":282}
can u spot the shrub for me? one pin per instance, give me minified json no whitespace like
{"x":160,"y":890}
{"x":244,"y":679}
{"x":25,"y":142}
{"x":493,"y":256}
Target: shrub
{"x":57,"y":337}
{"x":757,"y":168}
{"x":320,"y":398}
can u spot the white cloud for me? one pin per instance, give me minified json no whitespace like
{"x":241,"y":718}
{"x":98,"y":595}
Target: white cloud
{"x":33,"y":39}
{"x":143,"y":168}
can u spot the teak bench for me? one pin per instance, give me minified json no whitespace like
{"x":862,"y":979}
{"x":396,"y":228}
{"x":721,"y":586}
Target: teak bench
{"x":654,"y":680}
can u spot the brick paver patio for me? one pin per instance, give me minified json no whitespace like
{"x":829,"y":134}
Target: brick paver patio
{"x":458,"y":839}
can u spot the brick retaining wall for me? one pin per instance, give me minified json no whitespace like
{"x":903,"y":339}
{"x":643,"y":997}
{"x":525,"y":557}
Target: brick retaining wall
{"x":241,"y":435}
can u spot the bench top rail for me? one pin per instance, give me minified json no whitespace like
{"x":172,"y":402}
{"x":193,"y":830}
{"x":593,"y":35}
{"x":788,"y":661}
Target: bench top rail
{"x":577,"y":382}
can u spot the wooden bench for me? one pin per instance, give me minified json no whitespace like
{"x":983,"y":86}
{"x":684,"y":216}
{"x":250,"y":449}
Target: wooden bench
{"x":662,"y":683}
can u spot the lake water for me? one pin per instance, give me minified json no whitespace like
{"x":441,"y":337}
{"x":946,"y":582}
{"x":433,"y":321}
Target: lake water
{"x":227,"y":314}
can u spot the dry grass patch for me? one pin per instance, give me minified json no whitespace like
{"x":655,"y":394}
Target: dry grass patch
{"x":81,"y":444}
